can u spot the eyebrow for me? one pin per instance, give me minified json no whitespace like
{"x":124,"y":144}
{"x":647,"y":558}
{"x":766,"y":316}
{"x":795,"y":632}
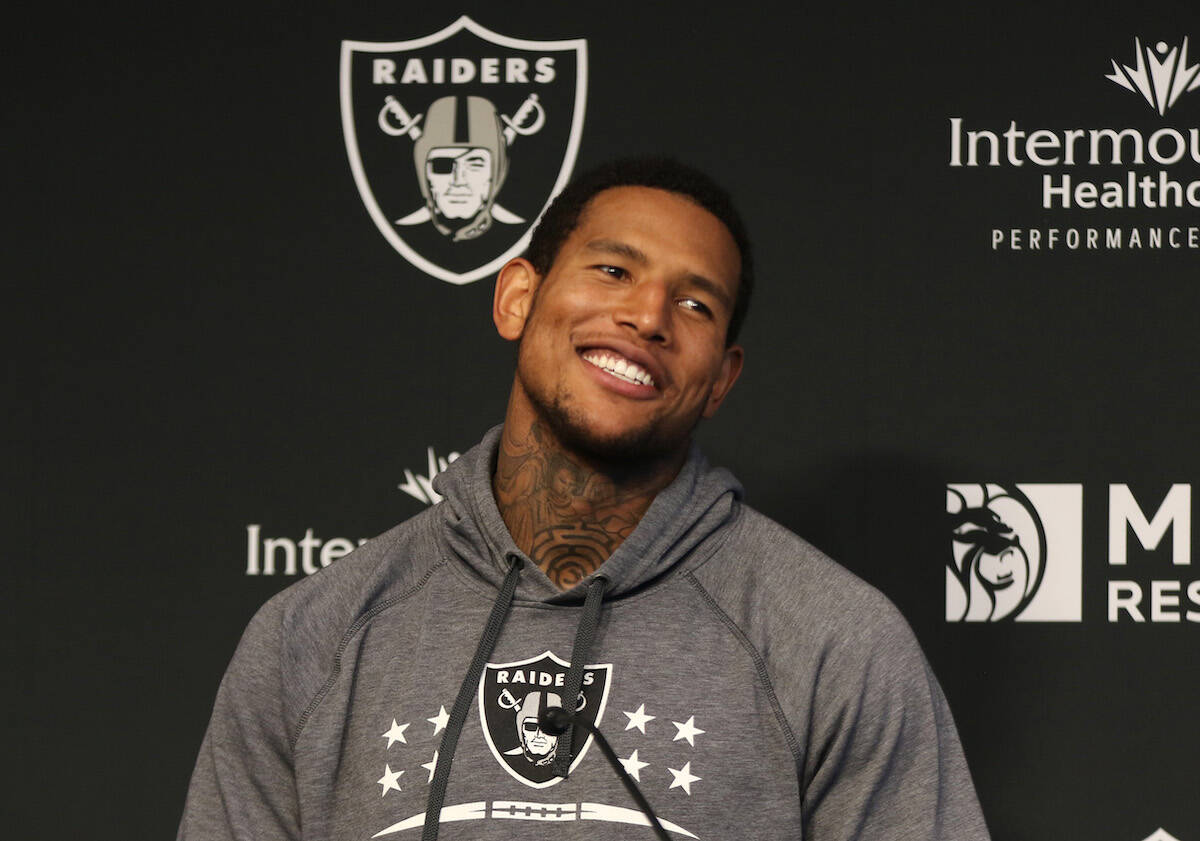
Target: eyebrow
{"x":621,"y":249}
{"x":624,"y":249}
{"x":712,"y":288}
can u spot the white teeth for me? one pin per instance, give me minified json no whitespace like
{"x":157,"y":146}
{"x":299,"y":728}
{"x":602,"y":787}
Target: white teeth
{"x":619,"y":367}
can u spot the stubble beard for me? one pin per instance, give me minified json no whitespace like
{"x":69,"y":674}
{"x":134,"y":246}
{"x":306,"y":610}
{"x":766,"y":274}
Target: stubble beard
{"x":650,"y":443}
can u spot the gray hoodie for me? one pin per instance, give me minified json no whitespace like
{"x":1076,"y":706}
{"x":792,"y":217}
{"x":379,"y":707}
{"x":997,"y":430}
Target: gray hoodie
{"x":753,"y":688}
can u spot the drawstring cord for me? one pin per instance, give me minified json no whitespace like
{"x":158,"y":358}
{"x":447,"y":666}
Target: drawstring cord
{"x":586,"y":632}
{"x":589,"y":620}
{"x":462,"y":704}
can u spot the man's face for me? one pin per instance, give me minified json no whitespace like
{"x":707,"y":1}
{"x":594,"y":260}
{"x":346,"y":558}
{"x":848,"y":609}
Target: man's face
{"x":623,"y":349}
{"x":536,"y":742}
{"x":460,"y":180}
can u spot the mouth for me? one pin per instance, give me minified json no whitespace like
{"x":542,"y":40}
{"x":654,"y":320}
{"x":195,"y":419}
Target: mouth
{"x":619,"y":366}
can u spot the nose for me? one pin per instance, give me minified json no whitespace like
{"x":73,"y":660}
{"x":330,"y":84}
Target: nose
{"x":646,"y":308}
{"x":456,"y":175}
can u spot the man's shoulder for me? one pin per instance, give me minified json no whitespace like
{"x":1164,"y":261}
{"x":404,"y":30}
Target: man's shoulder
{"x":292,"y":644}
{"x":768,"y":577}
{"x":307,"y":620}
{"x":809,"y":621}
{"x":381,"y":569}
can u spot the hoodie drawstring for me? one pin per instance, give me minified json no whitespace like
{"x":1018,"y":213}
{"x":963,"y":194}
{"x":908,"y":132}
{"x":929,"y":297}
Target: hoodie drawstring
{"x":462,"y":704}
{"x":573,"y":685}
{"x":589,"y":620}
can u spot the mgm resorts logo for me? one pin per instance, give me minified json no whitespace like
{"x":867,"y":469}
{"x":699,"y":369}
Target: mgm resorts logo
{"x":1016,"y":554}
{"x":459,"y":140}
{"x":1003,"y":563}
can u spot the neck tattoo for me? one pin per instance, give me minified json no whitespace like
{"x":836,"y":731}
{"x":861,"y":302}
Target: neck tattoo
{"x":566,"y":516}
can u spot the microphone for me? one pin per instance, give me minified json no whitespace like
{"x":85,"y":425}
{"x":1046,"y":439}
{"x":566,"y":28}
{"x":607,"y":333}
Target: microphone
{"x":555,"y":721}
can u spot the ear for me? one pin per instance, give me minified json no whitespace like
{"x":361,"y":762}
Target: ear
{"x":731,"y":369}
{"x":515,"y":286}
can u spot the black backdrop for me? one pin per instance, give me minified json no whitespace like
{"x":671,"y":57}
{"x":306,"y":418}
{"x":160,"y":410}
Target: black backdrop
{"x":211,"y":335}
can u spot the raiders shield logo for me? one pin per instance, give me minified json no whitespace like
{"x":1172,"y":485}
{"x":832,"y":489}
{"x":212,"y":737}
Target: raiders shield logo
{"x":458,"y":141}
{"x":510,"y":697}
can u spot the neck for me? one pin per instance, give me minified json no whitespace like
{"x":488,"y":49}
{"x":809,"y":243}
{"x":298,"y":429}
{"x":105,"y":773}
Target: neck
{"x":566,"y":512}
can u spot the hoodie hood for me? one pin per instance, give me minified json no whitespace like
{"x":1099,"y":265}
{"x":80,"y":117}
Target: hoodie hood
{"x":687,"y":512}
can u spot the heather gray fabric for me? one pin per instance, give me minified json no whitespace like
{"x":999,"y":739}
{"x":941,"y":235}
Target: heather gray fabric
{"x":754,"y":688}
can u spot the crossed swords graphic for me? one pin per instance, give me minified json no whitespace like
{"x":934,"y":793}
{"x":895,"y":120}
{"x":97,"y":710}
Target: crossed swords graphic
{"x":519,"y":123}
{"x":508,"y":702}
{"x":395,"y":121}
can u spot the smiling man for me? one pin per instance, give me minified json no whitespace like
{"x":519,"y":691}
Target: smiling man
{"x":624,"y":348}
{"x":587,"y":555}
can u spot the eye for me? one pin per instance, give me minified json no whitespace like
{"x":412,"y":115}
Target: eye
{"x":615,"y":272}
{"x":695,"y":305}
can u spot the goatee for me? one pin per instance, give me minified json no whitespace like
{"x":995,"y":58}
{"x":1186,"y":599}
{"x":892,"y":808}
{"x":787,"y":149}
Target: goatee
{"x":633,"y":449}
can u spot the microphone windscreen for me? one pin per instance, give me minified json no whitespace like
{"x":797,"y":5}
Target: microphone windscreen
{"x":554,"y":721}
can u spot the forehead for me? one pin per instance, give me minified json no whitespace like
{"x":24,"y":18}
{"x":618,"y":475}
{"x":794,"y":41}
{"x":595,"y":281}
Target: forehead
{"x":671,"y":230}
{"x":457,"y":152}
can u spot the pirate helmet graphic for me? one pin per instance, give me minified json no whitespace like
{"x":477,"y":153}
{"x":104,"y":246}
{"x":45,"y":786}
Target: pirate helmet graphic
{"x":431,"y":126}
{"x":511,"y":698}
{"x":537,"y":746}
{"x":461,"y":159}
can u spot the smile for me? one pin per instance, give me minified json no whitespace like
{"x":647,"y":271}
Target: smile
{"x":619,"y":367}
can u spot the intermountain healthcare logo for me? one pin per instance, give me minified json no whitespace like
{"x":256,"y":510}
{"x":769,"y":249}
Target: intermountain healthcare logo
{"x":421,"y":487}
{"x":1015,"y":553}
{"x":1130,"y":188}
{"x":1160,"y":81}
{"x":459,"y":140}
{"x":310,"y":553}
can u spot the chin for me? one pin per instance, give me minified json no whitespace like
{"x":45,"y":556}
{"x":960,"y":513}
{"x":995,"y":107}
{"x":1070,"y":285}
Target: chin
{"x":600,"y":432}
{"x":649,"y":441}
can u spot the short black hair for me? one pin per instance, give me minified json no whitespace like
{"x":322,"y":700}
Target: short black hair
{"x":660,"y":173}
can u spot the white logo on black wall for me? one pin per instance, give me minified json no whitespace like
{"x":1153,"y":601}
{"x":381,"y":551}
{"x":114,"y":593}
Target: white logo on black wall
{"x":287,"y":556}
{"x":1015,"y":553}
{"x":1100,"y":174}
{"x":1161,"y":75}
{"x":420,"y":486}
{"x":459,"y":140}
